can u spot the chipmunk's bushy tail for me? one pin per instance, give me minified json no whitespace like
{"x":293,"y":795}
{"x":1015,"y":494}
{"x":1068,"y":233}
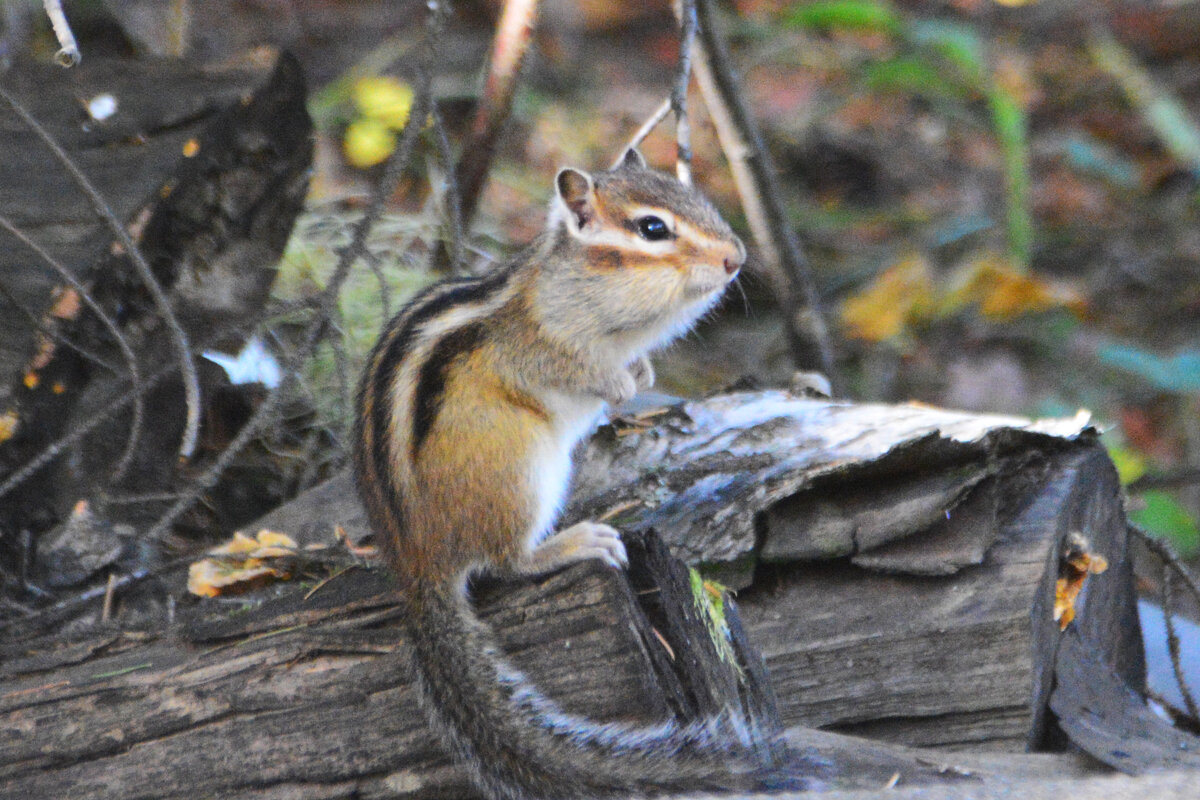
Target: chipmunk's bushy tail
{"x":520,"y":746}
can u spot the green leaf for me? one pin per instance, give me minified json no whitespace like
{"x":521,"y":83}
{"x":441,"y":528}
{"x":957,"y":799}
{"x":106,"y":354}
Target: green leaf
{"x":956,"y":43}
{"x":1008,"y":119}
{"x":1179,"y":373}
{"x":857,"y":15}
{"x":1165,"y":518}
{"x":914,"y":75}
{"x":1130,"y":464}
{"x":1162,"y":110}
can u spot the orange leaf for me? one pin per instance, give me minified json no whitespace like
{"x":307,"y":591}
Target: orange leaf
{"x":1076,"y":564}
{"x":901,"y":294}
{"x":243,"y":564}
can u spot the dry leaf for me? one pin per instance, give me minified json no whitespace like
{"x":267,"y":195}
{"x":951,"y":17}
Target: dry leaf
{"x":1004,"y":293}
{"x":901,"y":294}
{"x":1076,"y":564}
{"x":242,"y":564}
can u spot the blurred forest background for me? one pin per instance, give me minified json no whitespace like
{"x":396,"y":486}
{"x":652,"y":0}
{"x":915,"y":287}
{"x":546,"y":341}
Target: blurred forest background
{"x":999,"y":200}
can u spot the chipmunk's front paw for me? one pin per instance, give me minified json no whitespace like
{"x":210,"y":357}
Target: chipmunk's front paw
{"x":580,"y":542}
{"x":643,"y":373}
{"x":618,"y":387}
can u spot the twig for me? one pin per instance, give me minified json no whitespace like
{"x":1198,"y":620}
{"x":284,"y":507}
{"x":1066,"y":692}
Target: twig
{"x":451,"y":196}
{"x":106,"y":411}
{"x":179,"y":337}
{"x":109,"y":596}
{"x":514,"y":32}
{"x":49,"y":332}
{"x":122,"y":343}
{"x":1168,"y":555}
{"x":686,"y":11}
{"x":68,"y":54}
{"x":649,"y":125}
{"x":754,"y":174}
{"x":1184,"y":476}
{"x":1173,"y":644}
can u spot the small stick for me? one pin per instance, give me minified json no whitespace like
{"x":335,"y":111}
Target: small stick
{"x":686,"y":11}
{"x":649,"y":125}
{"x":109,"y":592}
{"x":451,"y":197}
{"x":68,"y":54}
{"x":1168,"y":592}
{"x":1169,"y":557}
{"x":514,"y":32}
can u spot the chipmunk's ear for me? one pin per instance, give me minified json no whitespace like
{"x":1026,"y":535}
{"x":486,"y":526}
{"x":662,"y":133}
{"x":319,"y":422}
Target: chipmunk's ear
{"x":577,"y":193}
{"x":632,"y":159}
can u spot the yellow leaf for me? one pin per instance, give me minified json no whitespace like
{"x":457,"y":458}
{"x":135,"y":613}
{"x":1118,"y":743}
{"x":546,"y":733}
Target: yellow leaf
{"x":1130,"y":464}
{"x":270,"y":538}
{"x":243,"y":564}
{"x":901,"y":294}
{"x":384,"y":99}
{"x":10,"y":423}
{"x":368,"y":142}
{"x":1004,"y":292}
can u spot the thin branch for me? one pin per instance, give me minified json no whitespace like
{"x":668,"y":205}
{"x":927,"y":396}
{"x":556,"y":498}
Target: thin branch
{"x":49,"y":332}
{"x":514,"y":32}
{"x":105,"y":412}
{"x":68,"y":54}
{"x":762,"y":198}
{"x":1168,"y":591}
{"x":1169,"y":557}
{"x":686,"y":11}
{"x":122,"y":343}
{"x":1184,"y":476}
{"x":648,"y":126}
{"x":179,"y":337}
{"x":451,"y":196}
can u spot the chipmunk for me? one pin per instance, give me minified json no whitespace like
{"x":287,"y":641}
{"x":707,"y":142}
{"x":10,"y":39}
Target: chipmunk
{"x":468,"y":411}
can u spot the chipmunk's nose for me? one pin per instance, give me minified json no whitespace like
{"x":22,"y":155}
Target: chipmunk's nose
{"x":735,"y":260}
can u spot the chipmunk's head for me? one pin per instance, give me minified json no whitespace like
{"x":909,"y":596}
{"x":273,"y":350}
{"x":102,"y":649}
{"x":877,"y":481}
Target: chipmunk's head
{"x":652,"y":254}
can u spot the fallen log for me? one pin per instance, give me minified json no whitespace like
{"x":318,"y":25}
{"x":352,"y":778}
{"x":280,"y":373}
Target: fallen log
{"x":956,"y":644}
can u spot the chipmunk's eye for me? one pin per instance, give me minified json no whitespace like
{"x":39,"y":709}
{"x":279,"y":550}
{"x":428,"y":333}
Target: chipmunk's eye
{"x":652,"y":228}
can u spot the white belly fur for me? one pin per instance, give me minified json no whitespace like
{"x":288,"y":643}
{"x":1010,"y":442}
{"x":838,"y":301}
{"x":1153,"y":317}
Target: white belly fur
{"x":573,"y":417}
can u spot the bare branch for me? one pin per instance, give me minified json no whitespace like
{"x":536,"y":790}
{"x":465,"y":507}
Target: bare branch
{"x":451,"y":195}
{"x":1173,"y":649}
{"x":648,"y":126}
{"x":686,"y":11}
{"x":106,"y":412}
{"x":510,"y":45}
{"x":108,"y":322}
{"x":68,"y":54}
{"x":1169,"y":558}
{"x":762,"y":198}
{"x":179,"y":337}
{"x":47,"y":330}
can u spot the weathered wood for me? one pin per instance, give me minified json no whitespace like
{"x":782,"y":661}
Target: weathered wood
{"x":954,"y":660}
{"x":160,"y":105}
{"x":954,"y":645}
{"x":310,"y":695}
{"x":211,"y":218}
